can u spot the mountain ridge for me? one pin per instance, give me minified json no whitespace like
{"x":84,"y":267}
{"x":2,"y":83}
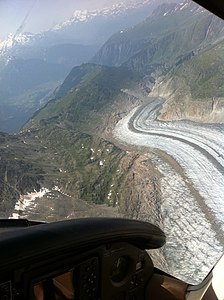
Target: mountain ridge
{"x":81,"y":17}
{"x":146,"y":38}
{"x":65,"y":47}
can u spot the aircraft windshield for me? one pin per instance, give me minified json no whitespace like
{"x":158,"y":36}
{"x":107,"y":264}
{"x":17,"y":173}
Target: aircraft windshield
{"x":116,"y":109}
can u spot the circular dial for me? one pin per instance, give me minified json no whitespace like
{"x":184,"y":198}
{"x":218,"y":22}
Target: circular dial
{"x":119,"y":269}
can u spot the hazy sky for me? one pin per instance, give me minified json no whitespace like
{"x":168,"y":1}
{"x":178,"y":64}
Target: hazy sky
{"x":36,"y":15}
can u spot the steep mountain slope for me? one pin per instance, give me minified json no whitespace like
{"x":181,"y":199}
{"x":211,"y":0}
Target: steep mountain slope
{"x":126,"y":43}
{"x":166,"y":38}
{"x":94,"y":89}
{"x":73,"y":130}
{"x":181,"y":46}
{"x":62,"y":158}
{"x":196,"y":34}
{"x":194,"y":88}
{"x":77,"y":75}
{"x":203,"y":73}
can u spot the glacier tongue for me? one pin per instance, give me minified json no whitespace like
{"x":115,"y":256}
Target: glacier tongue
{"x":193,"y":208}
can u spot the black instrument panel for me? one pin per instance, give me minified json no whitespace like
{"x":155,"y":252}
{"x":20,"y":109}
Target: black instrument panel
{"x":105,"y":260}
{"x":117,"y":271}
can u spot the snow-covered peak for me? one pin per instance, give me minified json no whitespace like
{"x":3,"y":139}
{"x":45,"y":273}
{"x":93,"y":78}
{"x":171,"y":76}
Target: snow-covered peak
{"x":12,"y":40}
{"x":5,"y":44}
{"x":24,"y":38}
{"x":111,"y":11}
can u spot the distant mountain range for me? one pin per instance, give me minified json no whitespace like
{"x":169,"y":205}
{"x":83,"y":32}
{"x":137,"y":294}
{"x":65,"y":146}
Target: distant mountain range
{"x":85,"y":27}
{"x":57,"y":51}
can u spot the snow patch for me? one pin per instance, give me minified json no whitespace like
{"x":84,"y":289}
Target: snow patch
{"x":27,"y":201}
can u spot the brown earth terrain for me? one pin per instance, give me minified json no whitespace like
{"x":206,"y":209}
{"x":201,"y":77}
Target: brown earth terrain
{"x":179,"y":104}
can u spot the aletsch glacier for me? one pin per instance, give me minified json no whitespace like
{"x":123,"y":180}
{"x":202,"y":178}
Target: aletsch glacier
{"x":193,"y":217}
